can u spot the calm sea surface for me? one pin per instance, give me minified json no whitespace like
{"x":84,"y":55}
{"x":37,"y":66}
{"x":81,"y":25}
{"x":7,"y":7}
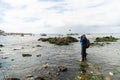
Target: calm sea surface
{"x":12,"y":64}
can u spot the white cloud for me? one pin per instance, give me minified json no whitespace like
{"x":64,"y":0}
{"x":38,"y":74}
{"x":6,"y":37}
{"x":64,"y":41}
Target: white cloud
{"x":50,"y":15}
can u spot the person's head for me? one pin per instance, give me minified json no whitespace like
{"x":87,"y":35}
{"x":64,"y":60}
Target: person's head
{"x":83,"y":36}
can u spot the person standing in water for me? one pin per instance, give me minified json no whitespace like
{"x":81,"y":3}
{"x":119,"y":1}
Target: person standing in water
{"x":83,"y":41}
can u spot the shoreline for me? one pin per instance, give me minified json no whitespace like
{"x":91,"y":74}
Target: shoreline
{"x":15,"y":65}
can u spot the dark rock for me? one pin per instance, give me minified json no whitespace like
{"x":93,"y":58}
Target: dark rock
{"x":0,"y":65}
{"x":1,"y":45}
{"x":42,"y":77}
{"x":22,"y":47}
{"x":15,"y":49}
{"x":38,"y":45}
{"x":4,"y":57}
{"x":33,"y":47}
{"x":12,"y":59}
{"x":59,"y":40}
{"x":26,"y":55}
{"x":43,"y":39}
{"x":62,"y":68}
{"x":43,"y":34}
{"x":38,"y":55}
{"x":12,"y":79}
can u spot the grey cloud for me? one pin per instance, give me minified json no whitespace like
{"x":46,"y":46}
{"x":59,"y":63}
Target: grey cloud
{"x":52,"y":0}
{"x":30,"y":19}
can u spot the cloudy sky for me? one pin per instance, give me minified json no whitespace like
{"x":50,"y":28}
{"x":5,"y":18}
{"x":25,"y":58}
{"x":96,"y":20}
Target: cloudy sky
{"x":58,"y":16}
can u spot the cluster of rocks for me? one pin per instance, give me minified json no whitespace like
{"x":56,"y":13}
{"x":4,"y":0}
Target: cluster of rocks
{"x":59,"y":40}
{"x":1,"y":45}
{"x":106,"y":39}
{"x":41,"y":76}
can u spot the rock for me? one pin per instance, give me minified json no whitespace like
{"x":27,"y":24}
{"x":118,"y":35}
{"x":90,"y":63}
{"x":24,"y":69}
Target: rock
{"x":110,"y":73}
{"x":26,"y":55}
{"x":62,"y":68}
{"x":1,"y":45}
{"x":45,"y":65}
{"x":59,"y":40}
{"x":38,"y":55}
{"x":12,"y":79}
{"x":0,"y":49}
{"x":0,"y":65}
{"x":22,"y":47}
{"x":42,"y":77}
{"x":4,"y":57}
{"x":43,"y":34}
{"x":29,"y":76}
{"x":33,"y":47}
{"x":15,"y":49}
{"x":38,"y":45}
{"x":107,"y":78}
{"x":12,"y":59}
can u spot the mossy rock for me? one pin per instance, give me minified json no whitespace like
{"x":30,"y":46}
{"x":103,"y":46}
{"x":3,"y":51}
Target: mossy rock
{"x":59,"y":40}
{"x":106,"y":39}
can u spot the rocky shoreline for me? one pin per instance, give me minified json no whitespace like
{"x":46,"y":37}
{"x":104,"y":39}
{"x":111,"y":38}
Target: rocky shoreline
{"x":46,"y":70}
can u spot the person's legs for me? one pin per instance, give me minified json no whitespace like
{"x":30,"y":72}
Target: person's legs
{"x":83,"y":53}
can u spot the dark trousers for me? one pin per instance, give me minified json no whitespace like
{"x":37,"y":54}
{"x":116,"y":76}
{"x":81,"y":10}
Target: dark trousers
{"x":83,"y":53}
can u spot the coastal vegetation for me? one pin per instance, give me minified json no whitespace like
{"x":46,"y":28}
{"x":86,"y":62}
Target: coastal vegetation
{"x":106,"y":39}
{"x":72,"y":34}
{"x":59,"y":40}
{"x":101,"y":41}
{"x":89,"y":71}
{"x":98,"y":44}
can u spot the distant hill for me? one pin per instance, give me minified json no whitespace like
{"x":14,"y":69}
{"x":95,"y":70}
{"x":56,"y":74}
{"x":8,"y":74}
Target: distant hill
{"x":2,"y":32}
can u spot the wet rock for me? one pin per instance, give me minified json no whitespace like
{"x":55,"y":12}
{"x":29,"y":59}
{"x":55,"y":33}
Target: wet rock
{"x":29,"y":76}
{"x":62,"y":68}
{"x":26,"y":55}
{"x":38,"y":55}
{"x":106,"y":39}
{"x":42,"y":77}
{"x":22,"y":47}
{"x":33,"y":47}
{"x":0,"y":65}
{"x":12,"y":59}
{"x":43,"y":34}
{"x":4,"y":57}
{"x":59,"y":40}
{"x":38,"y":45}
{"x":1,"y":45}
{"x":43,"y":39}
{"x":107,"y":78}
{"x":15,"y":49}
{"x":12,"y":79}
{"x":45,"y":65}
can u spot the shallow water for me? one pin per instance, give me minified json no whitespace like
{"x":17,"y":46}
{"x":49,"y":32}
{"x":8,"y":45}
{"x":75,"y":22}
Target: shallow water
{"x":107,"y":56}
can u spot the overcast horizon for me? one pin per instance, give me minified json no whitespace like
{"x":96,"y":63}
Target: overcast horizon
{"x":60,"y":16}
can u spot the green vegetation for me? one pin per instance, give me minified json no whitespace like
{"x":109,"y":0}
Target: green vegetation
{"x":59,"y":40}
{"x":106,"y":39}
{"x":72,"y":34}
{"x":89,"y":71}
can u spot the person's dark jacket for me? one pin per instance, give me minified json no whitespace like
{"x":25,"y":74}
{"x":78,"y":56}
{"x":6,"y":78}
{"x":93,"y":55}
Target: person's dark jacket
{"x":83,"y":42}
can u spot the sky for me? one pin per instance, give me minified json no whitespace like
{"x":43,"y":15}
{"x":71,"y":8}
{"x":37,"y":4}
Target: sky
{"x":60,"y":16}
